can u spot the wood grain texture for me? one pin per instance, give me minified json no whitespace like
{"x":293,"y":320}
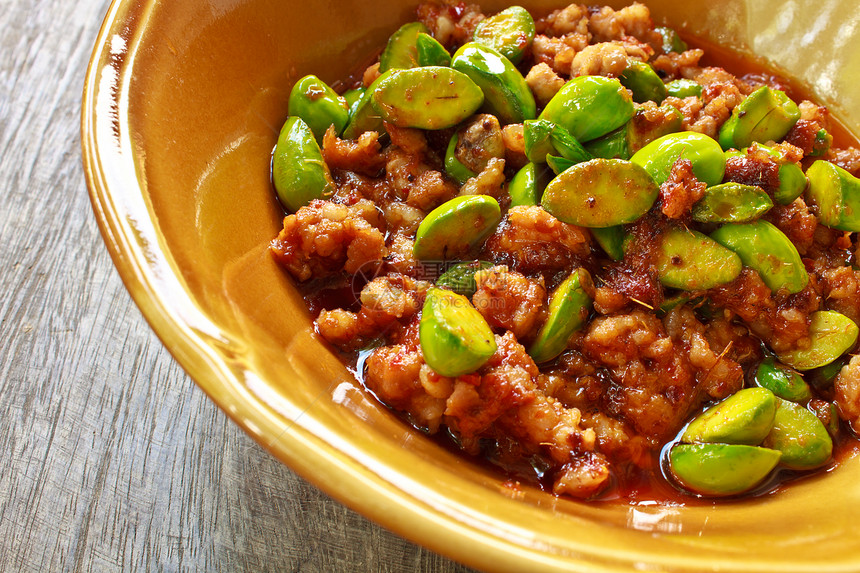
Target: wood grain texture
{"x":112,"y":458}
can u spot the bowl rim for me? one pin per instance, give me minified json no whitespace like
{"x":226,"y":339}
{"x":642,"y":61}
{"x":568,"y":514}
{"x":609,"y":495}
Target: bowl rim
{"x":115,"y":193}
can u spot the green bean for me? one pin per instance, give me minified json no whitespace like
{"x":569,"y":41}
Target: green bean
{"x":537,"y":141}
{"x":745,"y":417}
{"x":831,"y":334}
{"x":731,"y":203}
{"x":689,"y":260}
{"x":352,"y":97}
{"x":721,"y":469}
{"x":318,"y":105}
{"x":453,"y":166}
{"x":526,"y":187}
{"x":643,"y":81}
{"x":634,"y":135}
{"x":822,"y":378}
{"x":684,"y":88}
{"x":401,"y":50}
{"x":430,"y":52}
{"x":705,"y":154}
{"x":800,"y":436}
{"x":590,"y":106}
{"x":600,"y":193}
{"x":836,"y":194}
{"x":506,"y":94}
{"x":783,"y":381}
{"x":298,"y":170}
{"x":455,"y":339}
{"x":455,"y":227}
{"x":510,"y":32}
{"x":765,"y":115}
{"x":432,"y":97}
{"x":569,"y":306}
{"x":543,"y":138}
{"x":611,"y":240}
{"x":764,"y":248}
{"x":363,"y":116}
{"x":558,"y":165}
{"x":672,"y":42}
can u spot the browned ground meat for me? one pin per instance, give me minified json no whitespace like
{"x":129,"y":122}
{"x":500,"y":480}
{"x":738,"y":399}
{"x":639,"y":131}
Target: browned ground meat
{"x":649,"y":387}
{"x":501,"y":399}
{"x":394,"y":375}
{"x":635,"y":276}
{"x":402,"y":218}
{"x":840,"y":288}
{"x":515,"y":145}
{"x":634,"y":20}
{"x":490,"y":181}
{"x":847,"y":393}
{"x":479,"y":141}
{"x":848,"y":159}
{"x":605,"y":59}
{"x":384,"y":301}
{"x":681,"y":190}
{"x":509,"y":300}
{"x":781,"y":320}
{"x":558,"y":53}
{"x":796,"y":221}
{"x":678,"y":65}
{"x":450,"y":22}
{"x":409,"y":173}
{"x":325,"y":238}
{"x":572,"y":19}
{"x":607,"y":300}
{"x":720,"y":98}
{"x":507,"y":399}
{"x":361,"y":155}
{"x":543,"y":82}
{"x":530,"y":240}
{"x":400,"y":258}
{"x":813,"y":119}
{"x":651,"y":118}
{"x":755,"y":167}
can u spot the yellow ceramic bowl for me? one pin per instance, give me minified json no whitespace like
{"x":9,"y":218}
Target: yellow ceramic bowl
{"x":182,"y":107}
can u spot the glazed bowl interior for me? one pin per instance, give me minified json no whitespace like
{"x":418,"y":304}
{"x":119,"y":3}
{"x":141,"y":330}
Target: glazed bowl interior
{"x":183,"y":103}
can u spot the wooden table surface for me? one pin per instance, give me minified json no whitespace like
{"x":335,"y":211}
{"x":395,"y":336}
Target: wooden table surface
{"x":111,"y":457}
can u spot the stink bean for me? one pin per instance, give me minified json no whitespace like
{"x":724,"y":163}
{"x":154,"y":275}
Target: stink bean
{"x":721,"y":469}
{"x":506,"y":94}
{"x":590,"y":106}
{"x":765,"y":115}
{"x":600,"y":193}
{"x":455,"y":339}
{"x":455,"y":227}
{"x":432,"y":97}
{"x":298,"y":170}
{"x":318,"y":105}
{"x":569,"y":306}
{"x":764,"y":248}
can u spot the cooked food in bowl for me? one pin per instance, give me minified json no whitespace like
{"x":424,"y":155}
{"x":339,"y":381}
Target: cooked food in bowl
{"x":573,"y":248}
